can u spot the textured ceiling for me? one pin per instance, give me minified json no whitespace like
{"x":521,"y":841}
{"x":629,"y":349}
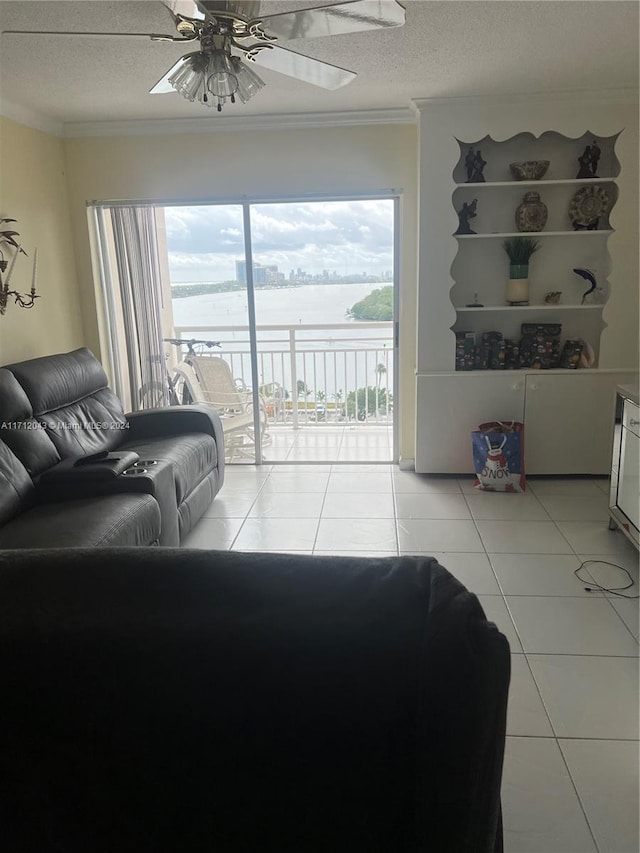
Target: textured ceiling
{"x":446,"y":49}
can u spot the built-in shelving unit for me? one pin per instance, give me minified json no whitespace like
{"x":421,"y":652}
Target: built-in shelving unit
{"x":481,"y":265}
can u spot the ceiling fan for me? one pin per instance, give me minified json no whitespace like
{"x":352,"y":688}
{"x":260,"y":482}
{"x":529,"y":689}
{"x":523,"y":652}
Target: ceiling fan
{"x":214,"y":75}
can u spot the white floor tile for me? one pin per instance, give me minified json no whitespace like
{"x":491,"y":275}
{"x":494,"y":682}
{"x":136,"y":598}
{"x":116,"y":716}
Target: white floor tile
{"x":522,"y":537}
{"x":538,"y":574}
{"x":348,"y":534}
{"x":338,"y":553}
{"x":348,"y":483}
{"x":588,"y":537}
{"x":229,"y":505}
{"x":604,"y":484}
{"x":441,"y":505}
{"x":427,"y":535}
{"x":587,"y":696}
{"x":472,"y":570}
{"x":216,"y":533}
{"x":629,"y":613}
{"x":287,"y":505}
{"x":526,"y":715}
{"x":605,"y":773}
{"x":408,"y":482}
{"x":502,"y":506}
{"x":563,"y":486}
{"x":496,"y":611}
{"x":305,"y":481}
{"x":541,"y":811}
{"x":358,"y":505}
{"x":363,"y":468}
{"x":570,"y":626}
{"x":572,"y":508}
{"x":277,"y":534}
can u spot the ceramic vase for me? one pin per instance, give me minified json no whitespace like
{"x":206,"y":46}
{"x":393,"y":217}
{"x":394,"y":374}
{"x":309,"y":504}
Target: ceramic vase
{"x":518,"y":284}
{"x":531,"y":213}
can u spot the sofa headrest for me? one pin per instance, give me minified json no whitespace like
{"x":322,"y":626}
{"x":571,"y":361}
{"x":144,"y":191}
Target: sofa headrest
{"x":15,"y":403}
{"x":54,"y":381}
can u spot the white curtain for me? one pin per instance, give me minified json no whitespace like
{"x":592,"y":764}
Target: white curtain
{"x":131,"y":286}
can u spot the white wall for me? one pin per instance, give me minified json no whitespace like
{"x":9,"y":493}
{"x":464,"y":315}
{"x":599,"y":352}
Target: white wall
{"x":33,"y":190}
{"x":271,"y":163}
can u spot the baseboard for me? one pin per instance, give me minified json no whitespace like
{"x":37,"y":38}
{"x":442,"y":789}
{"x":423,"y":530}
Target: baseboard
{"x":407,"y":464}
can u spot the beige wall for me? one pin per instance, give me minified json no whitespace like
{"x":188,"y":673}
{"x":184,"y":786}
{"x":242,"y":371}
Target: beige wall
{"x":225,"y":165}
{"x":33,"y":190}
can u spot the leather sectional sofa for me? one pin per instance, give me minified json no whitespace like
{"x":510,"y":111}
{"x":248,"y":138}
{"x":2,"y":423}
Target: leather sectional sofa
{"x":158,"y":470}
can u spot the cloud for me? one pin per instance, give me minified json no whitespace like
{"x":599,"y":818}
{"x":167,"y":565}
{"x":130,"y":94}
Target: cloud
{"x":204,"y":241}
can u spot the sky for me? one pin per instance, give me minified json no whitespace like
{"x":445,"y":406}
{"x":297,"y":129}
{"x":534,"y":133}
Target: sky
{"x":204,"y":242}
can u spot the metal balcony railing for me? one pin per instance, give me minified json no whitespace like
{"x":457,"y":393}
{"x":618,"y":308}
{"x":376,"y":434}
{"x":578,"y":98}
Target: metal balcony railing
{"x":313,"y":375}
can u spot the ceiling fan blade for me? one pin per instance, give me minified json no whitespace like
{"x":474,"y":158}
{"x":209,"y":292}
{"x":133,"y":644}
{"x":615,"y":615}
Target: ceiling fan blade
{"x":352,"y":17}
{"x":245,"y":8}
{"x":184,"y":9}
{"x":303,"y":67}
{"x":152,"y":36}
{"x":163,"y":87}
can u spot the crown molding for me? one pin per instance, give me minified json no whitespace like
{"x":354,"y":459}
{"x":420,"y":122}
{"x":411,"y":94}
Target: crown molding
{"x":583,"y":96}
{"x":217,"y":124}
{"x":29,"y":118}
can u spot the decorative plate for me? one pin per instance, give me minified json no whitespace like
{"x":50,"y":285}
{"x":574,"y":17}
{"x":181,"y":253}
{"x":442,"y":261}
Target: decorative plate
{"x":587,"y":206}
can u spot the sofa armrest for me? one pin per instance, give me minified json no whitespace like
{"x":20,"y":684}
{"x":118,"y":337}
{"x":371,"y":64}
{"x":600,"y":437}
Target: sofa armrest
{"x":177,"y":420}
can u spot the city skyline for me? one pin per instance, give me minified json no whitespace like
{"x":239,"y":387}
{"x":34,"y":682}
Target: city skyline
{"x":346,"y":238}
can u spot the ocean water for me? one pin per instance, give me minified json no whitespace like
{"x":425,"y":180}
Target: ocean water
{"x":327,"y":361}
{"x":307,"y":304}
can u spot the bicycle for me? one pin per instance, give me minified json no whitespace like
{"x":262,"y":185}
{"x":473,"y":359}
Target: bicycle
{"x":179,"y":392}
{"x":174,"y":388}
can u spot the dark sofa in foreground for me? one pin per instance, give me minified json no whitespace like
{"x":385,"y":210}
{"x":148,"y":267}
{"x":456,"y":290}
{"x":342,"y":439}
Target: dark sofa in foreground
{"x":58,"y":409}
{"x":173,"y":700}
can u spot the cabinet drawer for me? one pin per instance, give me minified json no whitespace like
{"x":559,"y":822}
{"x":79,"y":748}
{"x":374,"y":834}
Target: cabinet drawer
{"x":631,"y":417}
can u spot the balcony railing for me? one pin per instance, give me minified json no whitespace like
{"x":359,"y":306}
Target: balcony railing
{"x":313,"y":375}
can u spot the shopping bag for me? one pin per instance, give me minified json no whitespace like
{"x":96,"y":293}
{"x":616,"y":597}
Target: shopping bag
{"x":498,"y":456}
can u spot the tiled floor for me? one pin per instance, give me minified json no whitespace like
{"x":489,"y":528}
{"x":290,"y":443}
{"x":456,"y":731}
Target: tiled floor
{"x":571,"y":765}
{"x":351,"y":442}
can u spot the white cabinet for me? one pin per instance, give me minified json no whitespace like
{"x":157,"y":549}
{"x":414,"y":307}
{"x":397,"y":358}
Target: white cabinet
{"x":567,"y":417}
{"x":624,"y":500}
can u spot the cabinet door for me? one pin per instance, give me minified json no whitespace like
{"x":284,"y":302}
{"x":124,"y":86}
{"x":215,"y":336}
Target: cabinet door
{"x":569,"y":422}
{"x":450,"y":406}
{"x":629,"y":479}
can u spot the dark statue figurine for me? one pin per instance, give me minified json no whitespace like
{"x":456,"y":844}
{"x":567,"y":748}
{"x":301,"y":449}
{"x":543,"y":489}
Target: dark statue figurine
{"x":474,"y":164}
{"x":588,"y":161}
{"x":467,"y":212}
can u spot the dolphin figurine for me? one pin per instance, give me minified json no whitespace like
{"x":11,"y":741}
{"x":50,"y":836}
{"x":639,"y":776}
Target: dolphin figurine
{"x":587,"y":275}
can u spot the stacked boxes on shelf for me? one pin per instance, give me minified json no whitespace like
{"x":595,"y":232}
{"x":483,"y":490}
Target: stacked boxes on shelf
{"x":538,"y":349}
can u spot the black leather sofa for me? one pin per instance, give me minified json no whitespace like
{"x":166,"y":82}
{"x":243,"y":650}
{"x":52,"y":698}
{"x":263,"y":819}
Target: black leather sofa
{"x":57,"y":410}
{"x":160,"y":699}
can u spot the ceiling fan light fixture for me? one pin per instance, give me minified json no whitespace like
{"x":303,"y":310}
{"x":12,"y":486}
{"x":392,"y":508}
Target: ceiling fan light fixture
{"x":221,"y":77}
{"x":249,"y":84}
{"x":188,"y":79}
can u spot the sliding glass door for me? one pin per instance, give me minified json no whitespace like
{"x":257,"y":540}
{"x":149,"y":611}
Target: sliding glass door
{"x":299,"y":297}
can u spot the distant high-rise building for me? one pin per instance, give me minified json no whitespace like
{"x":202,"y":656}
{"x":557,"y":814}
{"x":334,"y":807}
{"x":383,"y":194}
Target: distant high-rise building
{"x":241,"y":272}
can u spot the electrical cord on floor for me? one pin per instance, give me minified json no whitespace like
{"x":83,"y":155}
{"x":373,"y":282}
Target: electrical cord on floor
{"x":612,"y":590}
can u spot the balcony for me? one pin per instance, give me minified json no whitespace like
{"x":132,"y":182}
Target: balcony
{"x":327,"y":389}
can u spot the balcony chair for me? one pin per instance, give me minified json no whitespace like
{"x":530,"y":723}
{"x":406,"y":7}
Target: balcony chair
{"x":209,"y":380}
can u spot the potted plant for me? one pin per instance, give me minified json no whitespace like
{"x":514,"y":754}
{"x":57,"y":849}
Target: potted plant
{"x":519,"y":251}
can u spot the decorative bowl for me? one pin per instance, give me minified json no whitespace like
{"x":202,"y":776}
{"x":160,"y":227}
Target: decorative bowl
{"x":529,"y":170}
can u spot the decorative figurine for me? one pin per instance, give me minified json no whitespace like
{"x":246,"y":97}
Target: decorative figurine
{"x":467,"y":212}
{"x":475,"y":303}
{"x":587,"y":275}
{"x":588,"y":161}
{"x":531,"y":214}
{"x":474,"y":164}
{"x":553,"y":297}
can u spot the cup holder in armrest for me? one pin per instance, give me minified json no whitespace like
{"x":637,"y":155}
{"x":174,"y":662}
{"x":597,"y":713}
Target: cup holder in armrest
{"x":145,"y":463}
{"x":133,"y":472}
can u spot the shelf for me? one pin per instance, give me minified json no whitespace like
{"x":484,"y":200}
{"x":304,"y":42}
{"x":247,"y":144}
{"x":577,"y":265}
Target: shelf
{"x":514,"y":308}
{"x":534,"y":234}
{"x":553,"y":183}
